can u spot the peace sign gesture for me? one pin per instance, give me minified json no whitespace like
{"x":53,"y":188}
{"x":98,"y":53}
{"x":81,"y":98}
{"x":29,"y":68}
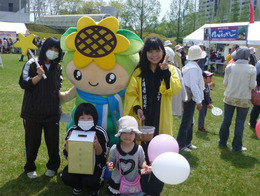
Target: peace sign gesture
{"x":164,"y":64}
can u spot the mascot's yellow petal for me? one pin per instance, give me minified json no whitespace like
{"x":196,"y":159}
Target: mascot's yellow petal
{"x":85,"y":22}
{"x":70,"y":41}
{"x":111,"y":23}
{"x":81,"y":60}
{"x":122,"y":44}
{"x":25,"y":43}
{"x":106,"y":63}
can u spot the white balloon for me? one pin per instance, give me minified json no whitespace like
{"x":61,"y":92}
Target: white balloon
{"x":171,"y":168}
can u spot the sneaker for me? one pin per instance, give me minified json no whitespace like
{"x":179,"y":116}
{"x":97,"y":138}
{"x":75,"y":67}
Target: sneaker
{"x":77,"y":191}
{"x":243,"y":149}
{"x":185,"y":149}
{"x":192,"y":147}
{"x":202,"y":129}
{"x":93,"y":193}
{"x":32,"y":175}
{"x":50,"y":173}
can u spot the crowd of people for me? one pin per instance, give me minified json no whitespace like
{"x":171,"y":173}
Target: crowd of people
{"x":7,"y":46}
{"x":164,"y":83}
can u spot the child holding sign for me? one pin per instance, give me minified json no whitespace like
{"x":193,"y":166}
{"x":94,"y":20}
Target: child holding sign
{"x":86,"y":118}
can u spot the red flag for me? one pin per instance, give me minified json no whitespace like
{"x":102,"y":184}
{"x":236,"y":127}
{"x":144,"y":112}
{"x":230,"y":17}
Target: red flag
{"x":252,"y":19}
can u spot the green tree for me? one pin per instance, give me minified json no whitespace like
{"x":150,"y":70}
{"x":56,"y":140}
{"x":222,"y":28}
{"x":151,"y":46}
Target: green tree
{"x":191,"y":17}
{"x":202,"y":14}
{"x":234,"y":14}
{"x":223,"y":9}
{"x":257,"y":14}
{"x":117,"y":5}
{"x":244,"y":16}
{"x":141,"y":15}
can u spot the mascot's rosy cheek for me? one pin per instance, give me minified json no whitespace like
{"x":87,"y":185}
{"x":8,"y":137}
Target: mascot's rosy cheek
{"x":99,"y":60}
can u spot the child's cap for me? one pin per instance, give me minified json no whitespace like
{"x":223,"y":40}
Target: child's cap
{"x":206,"y":74}
{"x":127,"y":124}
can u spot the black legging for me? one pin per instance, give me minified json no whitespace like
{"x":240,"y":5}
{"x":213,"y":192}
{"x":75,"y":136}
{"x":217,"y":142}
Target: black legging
{"x":77,"y":181}
{"x":150,"y":184}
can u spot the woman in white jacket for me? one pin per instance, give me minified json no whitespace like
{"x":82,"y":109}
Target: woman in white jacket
{"x":240,"y":79}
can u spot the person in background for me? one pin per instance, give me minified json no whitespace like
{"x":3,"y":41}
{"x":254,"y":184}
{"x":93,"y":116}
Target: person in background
{"x":169,"y":51}
{"x":253,"y":59}
{"x":228,"y":57}
{"x":256,"y":109}
{"x":39,"y":45}
{"x":41,"y":106}
{"x":126,"y":151}
{"x":194,"y":84}
{"x":177,"y":56}
{"x":203,"y":61}
{"x":240,"y":79}
{"x":183,"y":57}
{"x":206,"y":103}
{"x":149,"y":99}
{"x":86,"y":118}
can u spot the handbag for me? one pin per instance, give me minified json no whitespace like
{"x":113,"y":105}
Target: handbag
{"x":128,"y":187}
{"x":255,"y":97}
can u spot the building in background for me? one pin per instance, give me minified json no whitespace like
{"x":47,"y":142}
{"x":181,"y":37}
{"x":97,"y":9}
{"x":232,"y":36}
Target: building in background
{"x":66,"y":21}
{"x":211,"y":7}
{"x":14,"y":11}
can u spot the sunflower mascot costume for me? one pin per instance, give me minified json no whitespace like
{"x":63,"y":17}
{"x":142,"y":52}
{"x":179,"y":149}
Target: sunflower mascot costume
{"x":100,"y":59}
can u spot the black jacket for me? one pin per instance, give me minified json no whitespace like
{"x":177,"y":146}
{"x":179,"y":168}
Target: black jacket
{"x":41,"y":101}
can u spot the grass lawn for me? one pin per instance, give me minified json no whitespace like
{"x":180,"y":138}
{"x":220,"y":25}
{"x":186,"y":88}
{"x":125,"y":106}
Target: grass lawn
{"x":214,"y":171}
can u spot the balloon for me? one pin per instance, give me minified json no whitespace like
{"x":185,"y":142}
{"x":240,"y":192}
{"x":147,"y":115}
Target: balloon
{"x":171,"y":168}
{"x":160,"y":144}
{"x":257,"y":129}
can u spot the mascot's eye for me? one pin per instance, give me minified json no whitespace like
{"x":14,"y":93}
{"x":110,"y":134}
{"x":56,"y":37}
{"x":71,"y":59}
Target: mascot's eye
{"x":111,"y":78}
{"x":77,"y":75}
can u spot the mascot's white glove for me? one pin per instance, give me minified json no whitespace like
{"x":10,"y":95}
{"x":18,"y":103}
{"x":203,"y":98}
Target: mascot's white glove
{"x":67,"y":95}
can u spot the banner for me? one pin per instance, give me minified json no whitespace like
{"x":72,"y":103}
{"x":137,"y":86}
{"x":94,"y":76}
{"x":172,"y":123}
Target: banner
{"x":229,"y":33}
{"x":7,"y":34}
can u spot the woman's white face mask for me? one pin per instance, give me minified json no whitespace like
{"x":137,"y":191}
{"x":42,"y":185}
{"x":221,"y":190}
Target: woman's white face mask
{"x":85,"y":125}
{"x":51,"y":55}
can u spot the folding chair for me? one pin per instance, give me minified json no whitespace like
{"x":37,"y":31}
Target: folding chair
{"x":1,"y":63}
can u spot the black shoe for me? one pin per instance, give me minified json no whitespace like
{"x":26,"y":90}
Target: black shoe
{"x":77,"y":191}
{"x":93,"y":193}
{"x":21,"y":60}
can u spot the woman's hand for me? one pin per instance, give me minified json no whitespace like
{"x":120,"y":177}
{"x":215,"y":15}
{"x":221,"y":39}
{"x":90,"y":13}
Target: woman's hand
{"x":140,"y":115}
{"x":164,"y":64}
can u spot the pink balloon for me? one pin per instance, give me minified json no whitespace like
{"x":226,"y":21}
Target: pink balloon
{"x":257,"y":129}
{"x":160,"y":144}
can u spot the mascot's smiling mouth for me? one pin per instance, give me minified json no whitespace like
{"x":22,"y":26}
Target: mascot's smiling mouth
{"x":93,"y":84}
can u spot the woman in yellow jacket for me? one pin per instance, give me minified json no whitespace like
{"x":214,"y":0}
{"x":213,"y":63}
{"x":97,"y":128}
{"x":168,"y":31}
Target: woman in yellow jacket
{"x":149,"y":98}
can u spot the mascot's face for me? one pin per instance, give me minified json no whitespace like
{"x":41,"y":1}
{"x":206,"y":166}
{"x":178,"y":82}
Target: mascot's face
{"x":95,"y":80}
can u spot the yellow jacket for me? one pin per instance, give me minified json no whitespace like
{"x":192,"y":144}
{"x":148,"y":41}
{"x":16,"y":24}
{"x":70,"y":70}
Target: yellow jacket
{"x":133,"y":97}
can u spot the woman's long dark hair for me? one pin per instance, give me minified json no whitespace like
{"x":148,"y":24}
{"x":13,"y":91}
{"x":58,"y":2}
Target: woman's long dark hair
{"x":152,"y":43}
{"x":49,"y":43}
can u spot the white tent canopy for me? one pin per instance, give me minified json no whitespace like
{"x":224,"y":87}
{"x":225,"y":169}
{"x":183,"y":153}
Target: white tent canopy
{"x":11,"y":29}
{"x":253,"y":37}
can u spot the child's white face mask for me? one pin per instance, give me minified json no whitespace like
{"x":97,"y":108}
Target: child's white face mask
{"x":85,"y":125}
